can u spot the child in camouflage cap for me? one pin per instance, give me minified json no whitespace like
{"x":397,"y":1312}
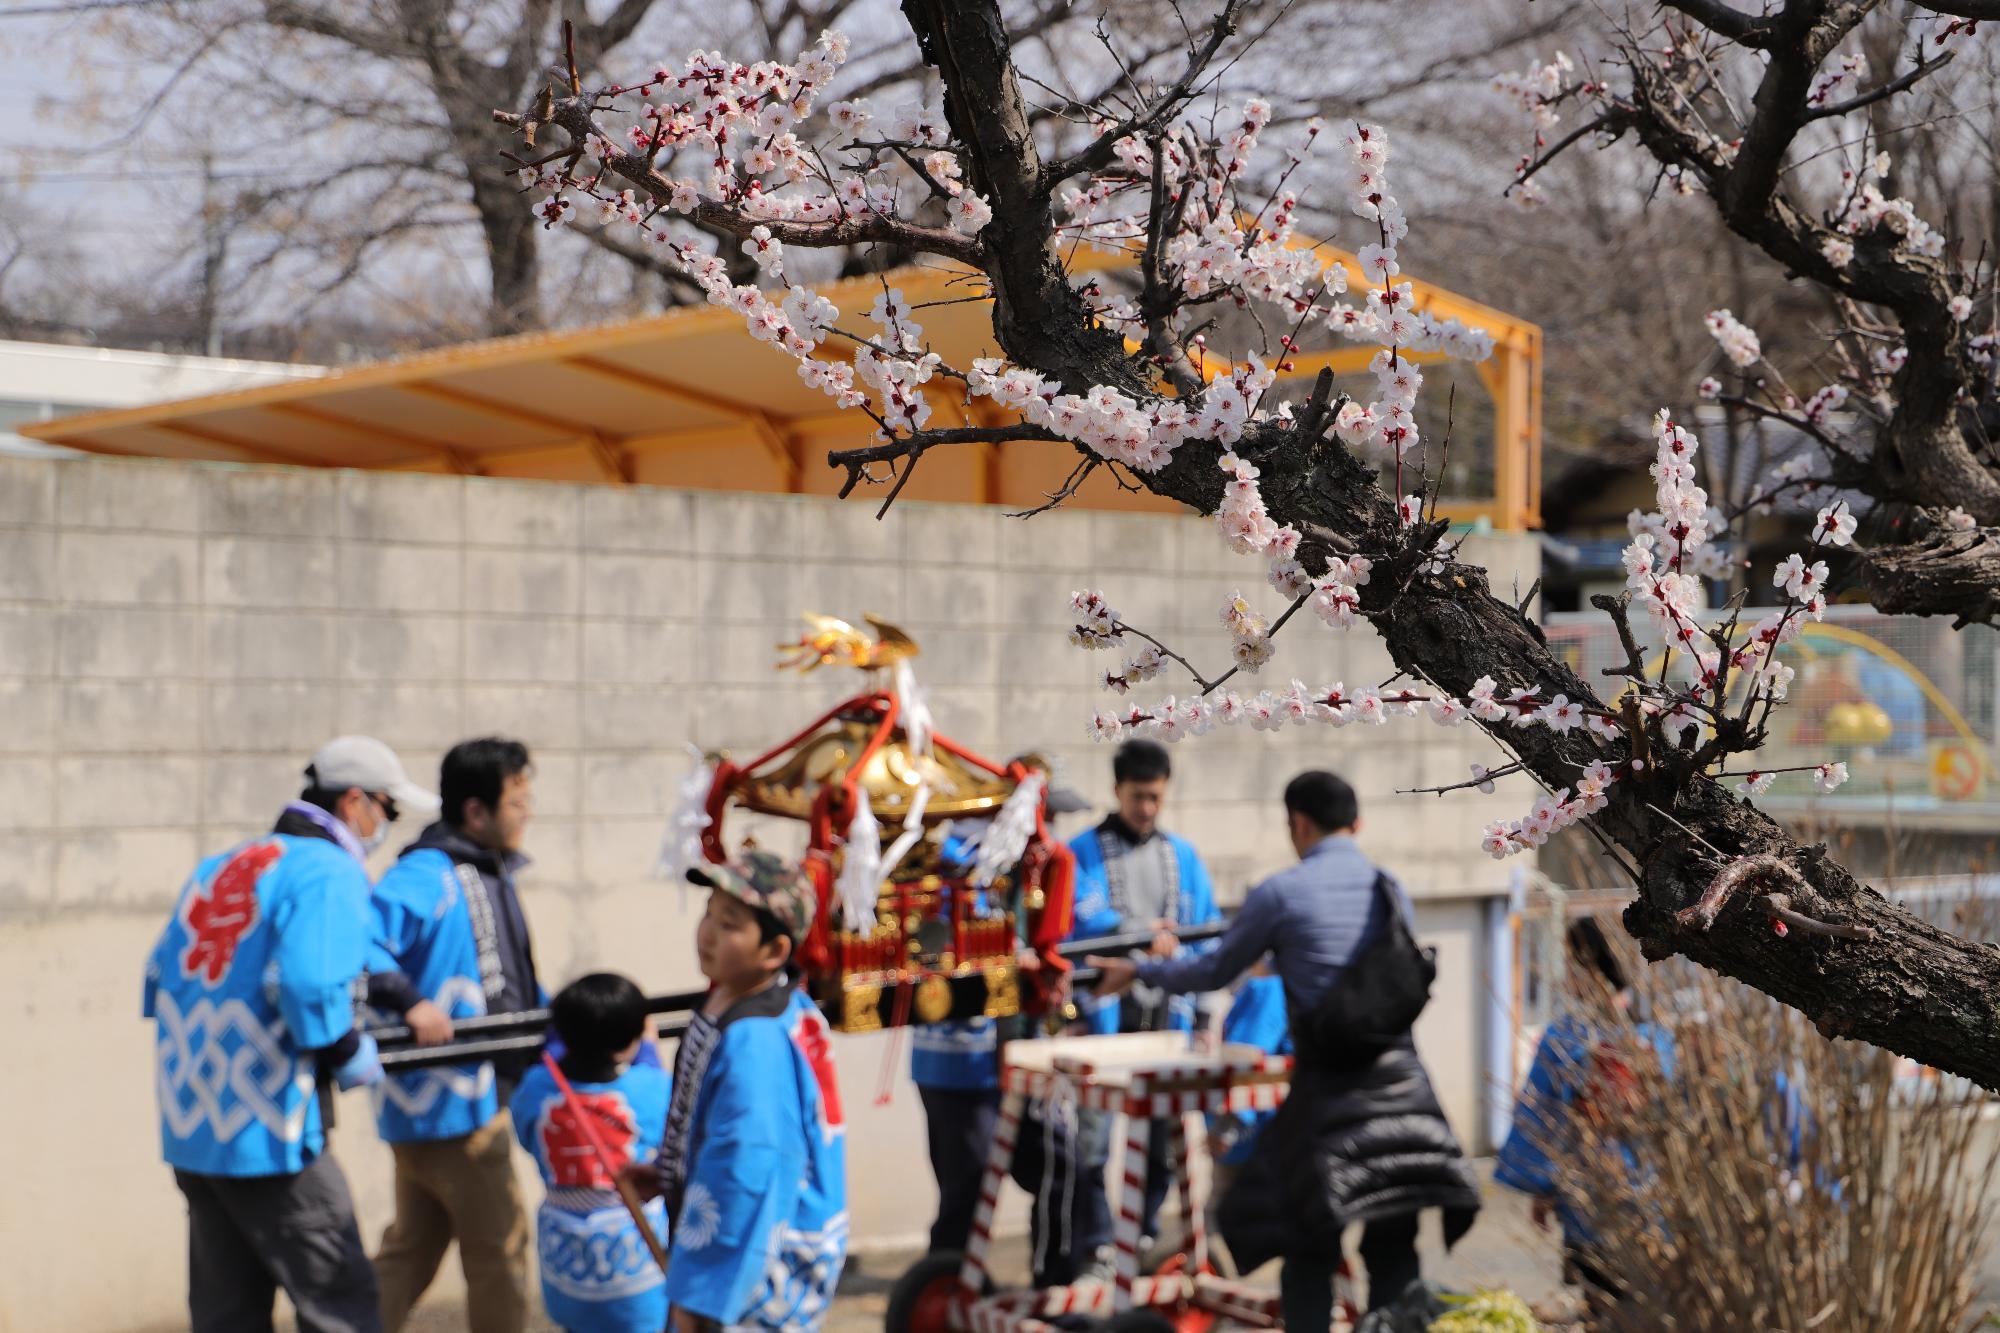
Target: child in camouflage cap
{"x":753,"y":1165}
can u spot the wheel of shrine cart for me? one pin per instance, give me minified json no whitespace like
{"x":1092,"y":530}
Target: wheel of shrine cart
{"x":926,"y":1295}
{"x":1186,"y":1317}
{"x":1137,"y":1321}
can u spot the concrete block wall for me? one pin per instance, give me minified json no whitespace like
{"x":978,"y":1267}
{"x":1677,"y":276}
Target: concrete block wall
{"x":175,"y":639}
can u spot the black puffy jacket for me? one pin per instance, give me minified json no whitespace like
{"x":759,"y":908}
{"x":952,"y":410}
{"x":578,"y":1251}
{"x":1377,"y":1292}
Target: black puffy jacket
{"x":1349,"y":1145}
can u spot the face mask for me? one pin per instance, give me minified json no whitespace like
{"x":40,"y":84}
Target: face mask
{"x":375,"y":839}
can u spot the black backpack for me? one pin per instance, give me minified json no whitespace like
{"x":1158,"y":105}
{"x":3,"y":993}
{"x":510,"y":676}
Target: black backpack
{"x":1376,"y":1000}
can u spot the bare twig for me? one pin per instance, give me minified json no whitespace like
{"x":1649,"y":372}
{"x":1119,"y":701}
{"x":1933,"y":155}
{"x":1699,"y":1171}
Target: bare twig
{"x":1779,"y":907}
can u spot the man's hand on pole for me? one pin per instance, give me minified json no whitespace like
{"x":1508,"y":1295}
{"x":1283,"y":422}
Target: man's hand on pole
{"x":1165,"y":943}
{"x":1115,"y":975}
{"x":428,"y":1023}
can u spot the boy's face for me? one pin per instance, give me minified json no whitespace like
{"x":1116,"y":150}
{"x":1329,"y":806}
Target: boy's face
{"x":731,"y":945}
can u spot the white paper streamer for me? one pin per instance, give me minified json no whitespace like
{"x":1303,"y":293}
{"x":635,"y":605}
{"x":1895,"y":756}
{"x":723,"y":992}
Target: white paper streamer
{"x":914,"y":710}
{"x":860,"y":867}
{"x":913,"y":829}
{"x":680,"y":848}
{"x":1007,"y":836}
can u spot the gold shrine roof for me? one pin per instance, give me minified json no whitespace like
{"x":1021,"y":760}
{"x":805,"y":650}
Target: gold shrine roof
{"x":890,"y":777}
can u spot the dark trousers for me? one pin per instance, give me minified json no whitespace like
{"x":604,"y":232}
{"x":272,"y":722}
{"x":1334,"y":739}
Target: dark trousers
{"x":1098,"y":1127}
{"x":959,"y":1127}
{"x":1388,"y":1254}
{"x":250,"y":1235}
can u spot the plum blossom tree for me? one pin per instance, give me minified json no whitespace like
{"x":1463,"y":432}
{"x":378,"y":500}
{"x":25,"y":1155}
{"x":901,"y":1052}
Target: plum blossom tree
{"x":1776,"y":119}
{"x":1157,"y":176}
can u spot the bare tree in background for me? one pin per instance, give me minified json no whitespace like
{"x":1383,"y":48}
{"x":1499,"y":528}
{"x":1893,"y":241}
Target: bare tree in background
{"x":288,"y":192}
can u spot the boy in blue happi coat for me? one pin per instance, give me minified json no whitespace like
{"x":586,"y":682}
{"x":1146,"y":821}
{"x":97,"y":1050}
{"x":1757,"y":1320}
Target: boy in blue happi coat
{"x":752,"y":1164}
{"x":598,"y":1273}
{"x":1580,"y":1070}
{"x":1256,"y":1017}
{"x":253,"y":985}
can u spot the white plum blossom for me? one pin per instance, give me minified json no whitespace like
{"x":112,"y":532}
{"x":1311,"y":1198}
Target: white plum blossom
{"x":1737,"y":340}
{"x":969,"y":213}
{"x":1480,"y":780}
{"x":1960,"y":521}
{"x":1336,"y":597}
{"x":1960,"y":307}
{"x":1143,"y":665}
{"x":1289,"y":577}
{"x":750,"y":147}
{"x":1845,"y":75}
{"x":1800,"y":581}
{"x":1240,"y":620}
{"x":1538,"y":89}
{"x":1828,"y":777}
{"x":1447,"y":711}
{"x":1867,"y":209}
{"x":1560,"y":714}
{"x":1756,"y":783}
{"x":1252,"y":652}
{"x":1098,"y":626}
{"x":1835,"y":525}
{"x":1825,"y":400}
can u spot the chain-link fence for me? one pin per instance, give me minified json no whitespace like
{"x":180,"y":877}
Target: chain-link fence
{"x":1909,"y":704}
{"x":1966,"y":905}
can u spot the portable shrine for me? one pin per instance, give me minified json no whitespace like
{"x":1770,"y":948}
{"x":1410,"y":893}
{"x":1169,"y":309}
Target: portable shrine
{"x":933,"y":926}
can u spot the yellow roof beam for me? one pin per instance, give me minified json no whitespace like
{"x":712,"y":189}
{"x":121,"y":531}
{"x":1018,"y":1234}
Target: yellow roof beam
{"x":428,"y":448}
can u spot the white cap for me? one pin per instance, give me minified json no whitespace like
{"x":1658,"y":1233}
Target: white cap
{"x":364,"y":762}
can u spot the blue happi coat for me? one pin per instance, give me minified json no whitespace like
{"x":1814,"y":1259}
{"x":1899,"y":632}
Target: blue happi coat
{"x":598,"y":1276}
{"x":256,"y":969}
{"x":423,"y":928}
{"x":1256,"y":1018}
{"x":1542,"y":1141}
{"x":761,"y":1231}
{"x":963,"y":1056}
{"x":1101,"y":911}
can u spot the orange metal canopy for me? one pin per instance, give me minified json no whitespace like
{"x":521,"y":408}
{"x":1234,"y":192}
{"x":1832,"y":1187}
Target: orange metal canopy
{"x":689,"y":399}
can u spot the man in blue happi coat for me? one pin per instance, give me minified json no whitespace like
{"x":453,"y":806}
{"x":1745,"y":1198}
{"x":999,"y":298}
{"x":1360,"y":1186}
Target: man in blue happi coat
{"x":253,"y":987}
{"x":451,"y":942}
{"x":1133,"y":876}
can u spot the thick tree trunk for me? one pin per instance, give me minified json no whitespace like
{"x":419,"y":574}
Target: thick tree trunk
{"x":513,"y":251}
{"x":968,"y":46}
{"x":1954,"y":574}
